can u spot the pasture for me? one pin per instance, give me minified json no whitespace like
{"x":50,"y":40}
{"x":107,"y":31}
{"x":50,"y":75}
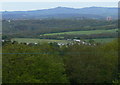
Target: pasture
{"x":102,"y":40}
{"x":83,"y":32}
{"x":31,"y":40}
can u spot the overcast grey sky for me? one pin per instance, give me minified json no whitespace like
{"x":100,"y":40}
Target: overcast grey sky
{"x":22,"y":6}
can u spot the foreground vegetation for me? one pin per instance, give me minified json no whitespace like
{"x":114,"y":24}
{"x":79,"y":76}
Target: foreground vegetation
{"x":49,"y":63}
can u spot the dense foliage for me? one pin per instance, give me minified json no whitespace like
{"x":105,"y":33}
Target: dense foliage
{"x":49,"y":63}
{"x":28,"y":64}
{"x":34,"y":28}
{"x":92,"y":64}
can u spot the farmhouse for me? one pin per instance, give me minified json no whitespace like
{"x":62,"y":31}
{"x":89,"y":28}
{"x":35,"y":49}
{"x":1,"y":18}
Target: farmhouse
{"x":76,"y":40}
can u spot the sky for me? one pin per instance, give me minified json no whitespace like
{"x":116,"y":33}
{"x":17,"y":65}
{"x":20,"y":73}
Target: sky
{"x":23,"y":5}
{"x":59,"y":0}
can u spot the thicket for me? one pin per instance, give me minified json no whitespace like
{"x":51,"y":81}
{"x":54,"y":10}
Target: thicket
{"x":50,"y":63}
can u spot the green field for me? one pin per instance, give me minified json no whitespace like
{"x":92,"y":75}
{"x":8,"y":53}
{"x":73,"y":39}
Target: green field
{"x":103,"y":40}
{"x":30,"y":40}
{"x":84,"y":32}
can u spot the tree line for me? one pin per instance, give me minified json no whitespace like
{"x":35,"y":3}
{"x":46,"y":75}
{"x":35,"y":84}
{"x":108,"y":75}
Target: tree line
{"x":34,"y":28}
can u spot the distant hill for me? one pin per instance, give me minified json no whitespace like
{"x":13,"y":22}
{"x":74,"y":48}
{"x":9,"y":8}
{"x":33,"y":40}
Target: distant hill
{"x":63,"y":12}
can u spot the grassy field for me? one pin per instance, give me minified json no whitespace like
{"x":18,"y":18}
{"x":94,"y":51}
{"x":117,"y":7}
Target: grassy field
{"x":103,"y":40}
{"x":84,"y":32}
{"x":30,"y":40}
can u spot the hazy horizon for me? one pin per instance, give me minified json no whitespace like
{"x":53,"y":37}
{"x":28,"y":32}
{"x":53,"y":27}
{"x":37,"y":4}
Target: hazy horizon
{"x":29,"y":6}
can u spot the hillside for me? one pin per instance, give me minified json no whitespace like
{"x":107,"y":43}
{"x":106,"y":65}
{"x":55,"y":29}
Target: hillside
{"x":63,"y":12}
{"x":35,"y":28}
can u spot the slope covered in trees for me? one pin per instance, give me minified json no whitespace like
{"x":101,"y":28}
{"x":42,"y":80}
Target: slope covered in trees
{"x":64,"y":12}
{"x":35,"y":28}
{"x":49,"y":63}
